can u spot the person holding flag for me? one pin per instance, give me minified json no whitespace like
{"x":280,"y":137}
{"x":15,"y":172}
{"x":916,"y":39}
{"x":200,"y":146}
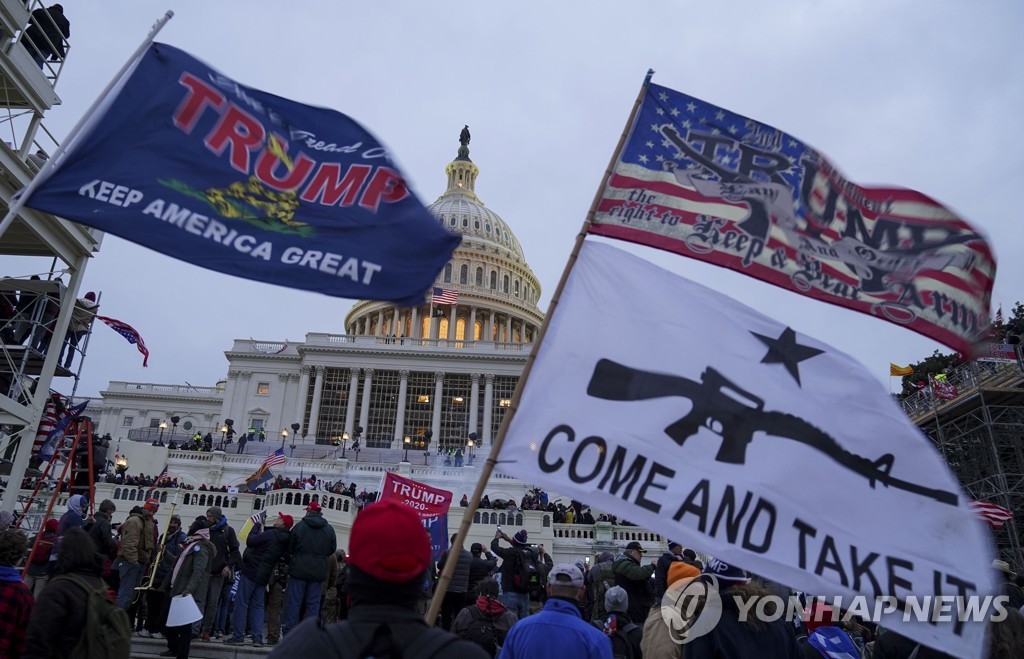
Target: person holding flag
{"x":263,"y":548}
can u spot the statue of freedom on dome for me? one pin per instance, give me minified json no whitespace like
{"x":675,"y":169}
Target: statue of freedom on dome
{"x":464,"y":136}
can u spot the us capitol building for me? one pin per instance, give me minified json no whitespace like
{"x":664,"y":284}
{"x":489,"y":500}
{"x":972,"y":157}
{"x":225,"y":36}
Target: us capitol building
{"x":420,"y":391}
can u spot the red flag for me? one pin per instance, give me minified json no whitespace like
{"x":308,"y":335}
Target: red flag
{"x":427,"y":501}
{"x":129,"y":333}
{"x":993,"y":514}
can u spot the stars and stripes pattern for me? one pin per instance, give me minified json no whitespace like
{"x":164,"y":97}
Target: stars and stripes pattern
{"x":129,"y":333}
{"x":707,"y":183}
{"x":59,"y":430}
{"x":444,"y":296}
{"x":275,"y":458}
{"x":994,"y":515}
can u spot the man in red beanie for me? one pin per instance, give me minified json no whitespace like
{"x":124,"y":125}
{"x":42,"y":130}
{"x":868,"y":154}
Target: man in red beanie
{"x":389,"y":555}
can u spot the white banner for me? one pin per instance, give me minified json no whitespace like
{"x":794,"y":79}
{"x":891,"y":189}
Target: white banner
{"x":683,"y":411}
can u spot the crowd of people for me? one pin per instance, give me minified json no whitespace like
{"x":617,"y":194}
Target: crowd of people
{"x":286,"y":583}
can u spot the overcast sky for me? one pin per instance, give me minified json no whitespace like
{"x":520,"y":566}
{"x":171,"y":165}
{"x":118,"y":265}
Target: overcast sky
{"x":924,"y":94}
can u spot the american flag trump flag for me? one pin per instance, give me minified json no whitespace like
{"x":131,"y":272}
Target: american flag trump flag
{"x":129,"y":333}
{"x":994,"y":515}
{"x":444,"y":296}
{"x":275,"y":458}
{"x":701,"y":181}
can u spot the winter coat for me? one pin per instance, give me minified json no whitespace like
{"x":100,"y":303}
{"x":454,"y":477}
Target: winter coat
{"x":312,"y":541}
{"x":102,"y":535}
{"x":15,"y":609}
{"x":557,"y":631}
{"x":173,"y":547}
{"x":661,"y":573}
{"x":502,"y":618}
{"x":332,"y":576}
{"x":891,"y":645}
{"x":277,"y":545}
{"x":479,"y":569}
{"x":194,"y":573}
{"x":136,"y":539}
{"x":602,"y":572}
{"x":59,"y":615}
{"x":224,"y":539}
{"x":460,"y":576}
{"x":408,"y":629}
{"x":732,"y":639}
{"x":73,"y":517}
{"x":635,"y":579}
{"x":657,"y":639}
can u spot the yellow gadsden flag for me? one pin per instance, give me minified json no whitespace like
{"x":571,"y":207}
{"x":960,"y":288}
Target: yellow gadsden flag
{"x":900,"y":370}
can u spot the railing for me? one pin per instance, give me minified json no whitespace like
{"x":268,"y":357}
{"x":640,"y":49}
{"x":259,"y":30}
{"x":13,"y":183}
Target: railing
{"x":966,"y":378}
{"x":440,"y":344}
{"x":176,"y":390}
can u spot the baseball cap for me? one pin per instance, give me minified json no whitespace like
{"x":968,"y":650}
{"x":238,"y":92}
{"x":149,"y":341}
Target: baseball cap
{"x":725,"y":572}
{"x":389,"y":543}
{"x":313,"y":507}
{"x":289,"y":521}
{"x":637,"y":546}
{"x":616,"y":599}
{"x":569,"y":573}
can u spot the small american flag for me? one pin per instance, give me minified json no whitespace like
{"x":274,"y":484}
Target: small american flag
{"x":275,"y":458}
{"x":129,"y":333}
{"x":445,"y":296}
{"x":993,"y":514}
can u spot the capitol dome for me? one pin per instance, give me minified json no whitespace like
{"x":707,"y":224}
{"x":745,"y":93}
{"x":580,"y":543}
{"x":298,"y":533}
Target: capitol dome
{"x":497,"y":292}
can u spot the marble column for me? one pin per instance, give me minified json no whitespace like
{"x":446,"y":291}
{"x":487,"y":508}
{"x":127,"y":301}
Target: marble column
{"x":471,"y":327}
{"x":485,"y":434}
{"x":364,"y":408}
{"x":508,"y":328}
{"x":453,"y":322}
{"x":314,"y":414}
{"x":474,"y":402}
{"x":403,"y":388}
{"x":435,"y":420}
{"x":300,"y":398}
{"x":380,"y":323}
{"x":415,"y":331}
{"x":353,"y":391}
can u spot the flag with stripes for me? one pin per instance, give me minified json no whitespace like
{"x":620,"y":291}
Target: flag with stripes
{"x":895,"y":370}
{"x":704,"y":182}
{"x":129,"y":333}
{"x":46,"y":423}
{"x":275,"y":458}
{"x":60,"y":428}
{"x":259,"y":477}
{"x":994,"y":515}
{"x":445,"y":296}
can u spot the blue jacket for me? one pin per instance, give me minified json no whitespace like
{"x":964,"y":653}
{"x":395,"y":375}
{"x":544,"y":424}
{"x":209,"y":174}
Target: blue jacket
{"x":558,"y":631}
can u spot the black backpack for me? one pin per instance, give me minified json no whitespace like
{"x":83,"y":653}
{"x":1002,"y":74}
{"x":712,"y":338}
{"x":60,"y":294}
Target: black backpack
{"x":381,"y":645}
{"x":621,"y":647}
{"x":483,"y":632}
{"x":107,"y":633}
{"x":525,"y":573}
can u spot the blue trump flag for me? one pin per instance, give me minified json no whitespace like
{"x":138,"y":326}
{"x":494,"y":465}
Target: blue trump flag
{"x":194,"y":165}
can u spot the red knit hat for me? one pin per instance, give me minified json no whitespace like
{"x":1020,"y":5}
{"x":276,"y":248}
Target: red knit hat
{"x":152,"y":504}
{"x":389,"y":543}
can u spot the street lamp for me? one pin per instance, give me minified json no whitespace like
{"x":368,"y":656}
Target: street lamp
{"x":223,"y":434}
{"x":163,"y":427}
{"x":408,"y":440}
{"x":284,"y":436}
{"x":174,"y":426}
{"x":344,"y":443}
{"x":469,"y":445}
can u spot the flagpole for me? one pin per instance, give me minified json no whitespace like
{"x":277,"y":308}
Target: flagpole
{"x":488,"y":468}
{"x":87,"y":119}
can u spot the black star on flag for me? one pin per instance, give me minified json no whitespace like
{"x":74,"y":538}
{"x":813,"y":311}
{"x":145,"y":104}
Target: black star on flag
{"x":786,"y":351}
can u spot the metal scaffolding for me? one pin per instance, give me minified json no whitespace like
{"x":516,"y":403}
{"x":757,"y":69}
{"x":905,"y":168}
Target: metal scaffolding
{"x":980,"y":432}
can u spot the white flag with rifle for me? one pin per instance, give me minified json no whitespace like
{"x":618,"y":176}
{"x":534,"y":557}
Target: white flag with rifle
{"x":687,"y":413}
